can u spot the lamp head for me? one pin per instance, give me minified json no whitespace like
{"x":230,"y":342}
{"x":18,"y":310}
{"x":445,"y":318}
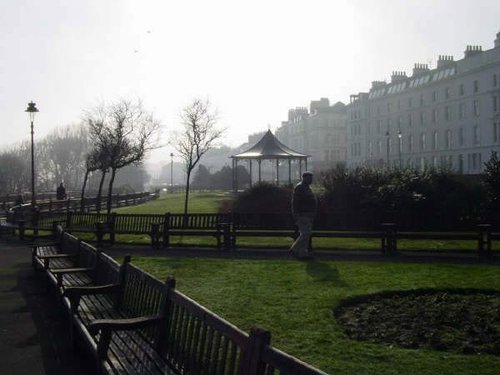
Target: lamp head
{"x":32,"y":110}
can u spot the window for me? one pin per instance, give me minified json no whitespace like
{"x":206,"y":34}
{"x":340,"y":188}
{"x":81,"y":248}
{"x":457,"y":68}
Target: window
{"x":409,"y":102}
{"x":410,"y":120}
{"x":378,"y":110}
{"x":475,"y":86}
{"x":435,"y":162}
{"x":400,"y":122}
{"x":447,"y":138}
{"x":421,"y":100}
{"x":496,"y":103}
{"x":388,"y":107}
{"x":475,"y":135}
{"x":460,"y":163}
{"x":422,"y":118}
{"x":447,"y":113}
{"x":461,"y":111}
{"x":461,"y":137}
{"x":435,"y":140}
{"x":476,"y":107}
{"x":422,"y":141}
{"x":496,"y":132}
{"x":434,"y":96}
{"x":495,"y":80}
{"x":434,"y":115}
{"x":379,"y":148}
{"x":447,"y":93}
{"x":379,"y":126}
{"x":410,"y":143}
{"x":461,"y":89}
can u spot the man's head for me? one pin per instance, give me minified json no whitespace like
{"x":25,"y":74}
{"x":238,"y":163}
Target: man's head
{"x":307,"y":177}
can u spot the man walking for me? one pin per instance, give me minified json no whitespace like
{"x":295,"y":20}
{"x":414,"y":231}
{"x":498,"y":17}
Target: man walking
{"x":304,"y":209}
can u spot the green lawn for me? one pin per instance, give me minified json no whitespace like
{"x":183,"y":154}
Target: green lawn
{"x":174,"y":203}
{"x":295,"y":300}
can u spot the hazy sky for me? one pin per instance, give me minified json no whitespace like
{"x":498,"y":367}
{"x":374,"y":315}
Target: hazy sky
{"x":253,"y":59}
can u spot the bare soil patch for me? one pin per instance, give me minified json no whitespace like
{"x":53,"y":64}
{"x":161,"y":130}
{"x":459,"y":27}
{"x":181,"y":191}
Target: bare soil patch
{"x":460,"y":321}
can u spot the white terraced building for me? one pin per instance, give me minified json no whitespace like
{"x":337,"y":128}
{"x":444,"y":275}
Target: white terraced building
{"x":443,"y":117}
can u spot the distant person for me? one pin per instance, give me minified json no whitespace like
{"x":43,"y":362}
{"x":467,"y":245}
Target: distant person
{"x":304,"y":207}
{"x":61,"y":192}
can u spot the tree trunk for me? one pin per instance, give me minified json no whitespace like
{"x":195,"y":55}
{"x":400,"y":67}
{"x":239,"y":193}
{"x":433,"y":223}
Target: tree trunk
{"x":186,"y":199}
{"x":99,"y":192}
{"x":110,"y":191}
{"x":82,"y":198}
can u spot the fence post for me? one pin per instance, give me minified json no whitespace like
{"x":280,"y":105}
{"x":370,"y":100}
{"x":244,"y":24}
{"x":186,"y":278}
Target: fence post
{"x":166,"y":230}
{"x":99,"y":232}
{"x":111,"y":227}
{"x":21,"y":227}
{"x":34,"y":220}
{"x":484,"y":240}
{"x":69,"y":215}
{"x":389,"y":245}
{"x":155,"y":235}
{"x":259,"y":338}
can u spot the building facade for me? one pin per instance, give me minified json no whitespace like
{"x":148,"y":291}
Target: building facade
{"x":443,"y":117}
{"x":319,"y":132}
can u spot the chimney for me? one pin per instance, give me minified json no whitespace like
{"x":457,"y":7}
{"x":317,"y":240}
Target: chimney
{"x":472,"y":50}
{"x":497,"y":40}
{"x":378,"y":84}
{"x":444,"y":60}
{"x":419,"y":69}
{"x":398,"y":77}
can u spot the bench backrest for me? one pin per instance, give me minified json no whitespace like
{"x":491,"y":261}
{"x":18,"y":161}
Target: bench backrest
{"x":107,"y":270}
{"x":195,"y":221}
{"x":197,"y":339}
{"x":69,"y":244}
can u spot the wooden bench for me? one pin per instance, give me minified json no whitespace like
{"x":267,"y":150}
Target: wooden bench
{"x":211,"y":225}
{"x":262,"y":225}
{"x":140,"y":325}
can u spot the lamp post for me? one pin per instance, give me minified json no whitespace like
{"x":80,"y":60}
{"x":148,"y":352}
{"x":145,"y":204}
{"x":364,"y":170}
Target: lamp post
{"x":172,"y":172}
{"x":400,"y":136}
{"x":32,"y":110}
{"x":387,"y":147}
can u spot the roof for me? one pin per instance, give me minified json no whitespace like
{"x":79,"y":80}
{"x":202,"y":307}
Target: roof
{"x":270,"y":148}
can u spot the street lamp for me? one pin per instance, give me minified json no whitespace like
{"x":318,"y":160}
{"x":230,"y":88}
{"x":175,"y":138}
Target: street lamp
{"x":387,"y":146}
{"x":172,"y":172}
{"x":399,"y":149}
{"x":32,"y":110}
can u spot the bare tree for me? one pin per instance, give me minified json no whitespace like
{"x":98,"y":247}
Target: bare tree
{"x":123,"y":133}
{"x":199,"y":135}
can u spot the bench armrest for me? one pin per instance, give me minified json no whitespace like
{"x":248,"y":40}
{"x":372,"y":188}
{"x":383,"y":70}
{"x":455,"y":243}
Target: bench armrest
{"x":75,"y":293}
{"x":107,"y":326}
{"x":58,"y":271}
{"x":56,"y":256}
{"x":91,"y":290}
{"x":123,"y":324}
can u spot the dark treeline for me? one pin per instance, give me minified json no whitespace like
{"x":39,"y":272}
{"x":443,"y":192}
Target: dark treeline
{"x":363,"y":198}
{"x":221,"y":179}
{"x":60,"y":157}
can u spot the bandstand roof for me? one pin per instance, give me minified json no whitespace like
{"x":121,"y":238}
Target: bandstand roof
{"x":270,"y":148}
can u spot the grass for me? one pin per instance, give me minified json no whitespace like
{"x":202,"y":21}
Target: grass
{"x":174,"y":203}
{"x":295,"y":300}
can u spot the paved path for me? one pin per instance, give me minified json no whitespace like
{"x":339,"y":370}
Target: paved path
{"x":33,"y":337}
